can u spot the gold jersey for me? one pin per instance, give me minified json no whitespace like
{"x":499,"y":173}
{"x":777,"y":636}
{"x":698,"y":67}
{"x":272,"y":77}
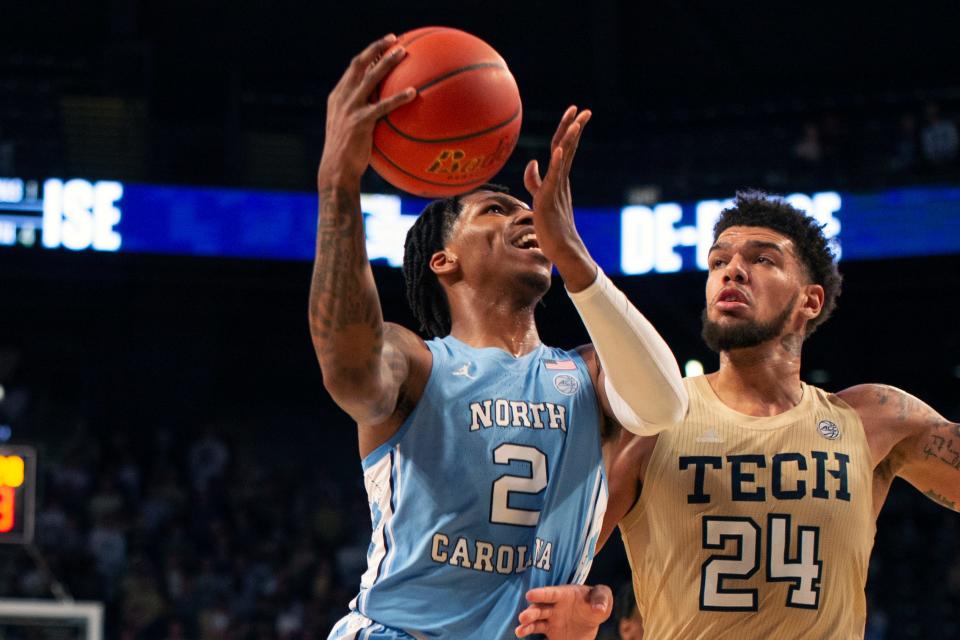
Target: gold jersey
{"x":752,"y":527}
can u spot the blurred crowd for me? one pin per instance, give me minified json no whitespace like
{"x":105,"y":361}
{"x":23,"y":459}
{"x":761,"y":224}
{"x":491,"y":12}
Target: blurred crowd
{"x":924,"y":142}
{"x":873,"y":147}
{"x":194,"y":541}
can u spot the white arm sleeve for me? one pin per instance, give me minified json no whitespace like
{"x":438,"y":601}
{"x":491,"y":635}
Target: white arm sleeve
{"x":643,"y":381}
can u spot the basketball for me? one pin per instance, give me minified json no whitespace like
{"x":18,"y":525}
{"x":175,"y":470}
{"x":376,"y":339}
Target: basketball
{"x":464,"y":122}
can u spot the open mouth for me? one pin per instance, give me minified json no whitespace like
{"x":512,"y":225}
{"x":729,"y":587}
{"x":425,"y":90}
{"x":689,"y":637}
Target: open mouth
{"x":732,"y":295}
{"x":527,"y":241}
{"x":731,"y":298}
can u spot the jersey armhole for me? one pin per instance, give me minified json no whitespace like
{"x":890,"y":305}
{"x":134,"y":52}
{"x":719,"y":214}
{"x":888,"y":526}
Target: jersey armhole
{"x":839,"y":404}
{"x":632,"y":516}
{"x":630,"y":519}
{"x":377,"y":454}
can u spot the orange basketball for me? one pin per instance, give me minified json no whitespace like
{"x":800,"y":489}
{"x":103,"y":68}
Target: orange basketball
{"x":464,"y":122}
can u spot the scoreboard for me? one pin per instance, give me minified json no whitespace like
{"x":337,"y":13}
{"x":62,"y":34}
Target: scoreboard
{"x":18,"y":476}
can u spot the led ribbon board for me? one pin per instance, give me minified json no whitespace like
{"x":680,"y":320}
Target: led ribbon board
{"x":667,"y":237}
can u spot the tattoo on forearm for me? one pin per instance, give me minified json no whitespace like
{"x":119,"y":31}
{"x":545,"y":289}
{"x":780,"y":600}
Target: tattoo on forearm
{"x":944,"y":444}
{"x":340,"y":296}
{"x":939,"y":499}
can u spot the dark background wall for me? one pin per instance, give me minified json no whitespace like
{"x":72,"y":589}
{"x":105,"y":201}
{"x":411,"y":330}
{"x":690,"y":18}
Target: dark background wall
{"x":693,"y":97}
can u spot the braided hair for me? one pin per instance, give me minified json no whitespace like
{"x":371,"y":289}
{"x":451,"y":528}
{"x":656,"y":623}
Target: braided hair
{"x":428,"y":235}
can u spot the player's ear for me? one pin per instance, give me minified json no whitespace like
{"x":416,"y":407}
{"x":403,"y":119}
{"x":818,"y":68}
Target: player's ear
{"x":811,"y":298}
{"x":444,"y":262}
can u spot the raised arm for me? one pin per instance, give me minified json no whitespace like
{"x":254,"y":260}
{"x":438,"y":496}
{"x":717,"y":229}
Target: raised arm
{"x":362,"y":371}
{"x":911,"y":440}
{"x":640,"y":385}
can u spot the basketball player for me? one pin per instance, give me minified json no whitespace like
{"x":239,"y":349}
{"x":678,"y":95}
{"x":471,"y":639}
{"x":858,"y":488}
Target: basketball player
{"x":481,"y":449}
{"x":755,"y":516}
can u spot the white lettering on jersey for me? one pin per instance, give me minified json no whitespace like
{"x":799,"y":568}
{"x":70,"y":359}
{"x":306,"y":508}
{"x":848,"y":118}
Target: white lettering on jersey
{"x":517,"y":413}
{"x":479,"y":555}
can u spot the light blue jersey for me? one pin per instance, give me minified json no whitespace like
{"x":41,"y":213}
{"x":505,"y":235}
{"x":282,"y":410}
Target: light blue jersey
{"x":493,"y":485}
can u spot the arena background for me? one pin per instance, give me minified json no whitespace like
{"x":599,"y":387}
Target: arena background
{"x":193,"y":474}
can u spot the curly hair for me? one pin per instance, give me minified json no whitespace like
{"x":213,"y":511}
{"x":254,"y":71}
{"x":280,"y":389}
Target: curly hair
{"x":757,"y":209}
{"x":429,"y":234}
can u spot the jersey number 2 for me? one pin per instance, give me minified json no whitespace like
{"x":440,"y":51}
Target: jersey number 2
{"x":500,"y":510}
{"x":803,"y":571}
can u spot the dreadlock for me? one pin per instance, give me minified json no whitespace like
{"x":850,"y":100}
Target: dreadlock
{"x":428,"y":235}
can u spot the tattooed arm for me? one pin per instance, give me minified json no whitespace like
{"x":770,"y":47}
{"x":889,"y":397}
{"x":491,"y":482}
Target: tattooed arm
{"x":910,"y":440}
{"x":363,"y":365}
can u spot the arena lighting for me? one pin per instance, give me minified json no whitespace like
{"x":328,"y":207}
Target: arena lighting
{"x":693,"y":368}
{"x":3,"y":393}
{"x":818,"y":376}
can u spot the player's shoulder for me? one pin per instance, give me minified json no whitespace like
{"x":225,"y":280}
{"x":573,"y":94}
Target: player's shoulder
{"x":403,"y":339}
{"x":883,"y":405}
{"x":586,"y":351}
{"x":400,"y":340}
{"x":397,"y":333}
{"x":873,"y":398}
{"x":591,"y":359}
{"x":589,"y":355}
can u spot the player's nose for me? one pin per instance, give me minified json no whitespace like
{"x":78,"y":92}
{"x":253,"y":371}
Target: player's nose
{"x":522,"y":216}
{"x":735,"y":270}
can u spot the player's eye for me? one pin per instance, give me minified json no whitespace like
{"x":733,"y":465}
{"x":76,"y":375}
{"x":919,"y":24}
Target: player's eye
{"x":716,"y":263}
{"x":764,"y":260}
{"x":496,"y":208}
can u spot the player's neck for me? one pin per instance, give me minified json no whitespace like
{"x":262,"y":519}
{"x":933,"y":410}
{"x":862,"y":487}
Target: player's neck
{"x":762,"y":380}
{"x":501,"y":317}
{"x":499,"y":325}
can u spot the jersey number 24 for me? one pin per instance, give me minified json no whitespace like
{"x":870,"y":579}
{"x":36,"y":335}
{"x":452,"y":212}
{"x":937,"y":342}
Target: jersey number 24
{"x":803,"y":571}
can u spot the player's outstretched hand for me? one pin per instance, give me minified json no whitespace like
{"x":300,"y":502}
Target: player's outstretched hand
{"x":568,"y":612}
{"x":351,"y":115}
{"x":553,"y":204}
